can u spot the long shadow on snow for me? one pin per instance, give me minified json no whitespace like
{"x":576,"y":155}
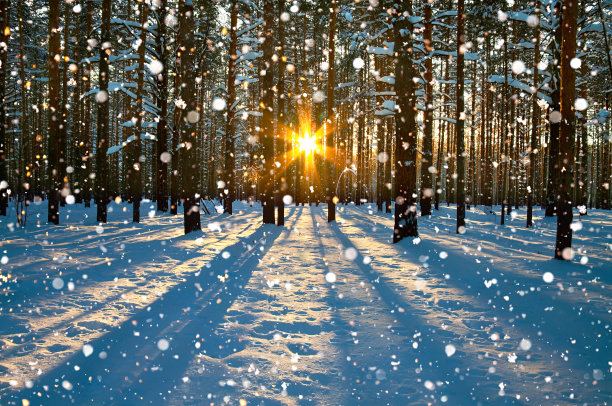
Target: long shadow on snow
{"x":342,"y":331}
{"x":432,"y":340}
{"x":574,"y":323}
{"x":530,"y":304}
{"x":178,"y":317}
{"x":31,"y":293}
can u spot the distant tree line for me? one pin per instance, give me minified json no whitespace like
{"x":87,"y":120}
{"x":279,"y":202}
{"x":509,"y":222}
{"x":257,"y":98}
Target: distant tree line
{"x":424,"y":102}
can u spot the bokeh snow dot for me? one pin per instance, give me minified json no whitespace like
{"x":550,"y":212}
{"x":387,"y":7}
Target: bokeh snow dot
{"x":350,"y":253}
{"x":581,"y":104}
{"x":87,"y":350}
{"x":555,"y":116}
{"x":57,"y":283}
{"x":287,"y":199}
{"x":548,"y":277}
{"x":525,"y":344}
{"x":318,"y":96}
{"x":156,"y":67}
{"x":518,"y":67}
{"x":358,"y":63}
{"x":450,"y":350}
{"x":218,"y":104}
{"x":330,"y":277}
{"x":102,"y":96}
{"x":163,"y":344}
{"x":165,"y":157}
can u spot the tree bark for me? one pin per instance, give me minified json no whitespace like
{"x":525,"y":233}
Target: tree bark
{"x":460,"y":117}
{"x":427,"y":159}
{"x":191,"y":203}
{"x":162,"y":104}
{"x":331,"y":119}
{"x":103,"y":115}
{"x":405,"y":128}
{"x":5,"y":23}
{"x":281,"y":143}
{"x":535,"y":115}
{"x":267,"y":110}
{"x":230,"y":127}
{"x":135,"y":166}
{"x":555,"y":124}
{"x":568,"y":95}
{"x":55,"y":110}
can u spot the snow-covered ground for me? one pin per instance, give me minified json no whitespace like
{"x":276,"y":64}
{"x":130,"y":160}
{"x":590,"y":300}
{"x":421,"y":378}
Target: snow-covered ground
{"x":309,"y":313}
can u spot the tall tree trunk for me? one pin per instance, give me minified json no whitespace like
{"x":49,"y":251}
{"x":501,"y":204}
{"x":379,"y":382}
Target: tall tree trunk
{"x":63,"y":141}
{"x":77,"y":116}
{"x":55,"y":111}
{"x":535,"y":115}
{"x":26,"y":165}
{"x":5,"y":24}
{"x":331,"y":118}
{"x":427,"y":159}
{"x":87,"y":139}
{"x":103,"y":114}
{"x":230,"y":127}
{"x":177,"y":154}
{"x":267,"y":110}
{"x":191,"y":204}
{"x":162,"y":104}
{"x":484,"y":94}
{"x":554,"y":119}
{"x":584,"y":156}
{"x":134,"y":170}
{"x":568,"y":95}
{"x":472,"y":171}
{"x":281,"y":143}
{"x":405,"y":128}
{"x":460,"y":117}
{"x":504,"y":161}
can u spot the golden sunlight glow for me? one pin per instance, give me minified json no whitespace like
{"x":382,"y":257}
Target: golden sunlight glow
{"x":308,"y":143}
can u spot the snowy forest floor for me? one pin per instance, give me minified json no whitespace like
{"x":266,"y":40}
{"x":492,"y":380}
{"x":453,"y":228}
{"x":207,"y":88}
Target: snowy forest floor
{"x":310,"y":313}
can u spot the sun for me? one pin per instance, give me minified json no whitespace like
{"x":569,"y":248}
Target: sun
{"x":308,"y":143}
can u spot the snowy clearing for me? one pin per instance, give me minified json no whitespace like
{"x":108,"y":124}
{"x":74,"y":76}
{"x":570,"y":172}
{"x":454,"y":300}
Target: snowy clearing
{"x":309,"y":313}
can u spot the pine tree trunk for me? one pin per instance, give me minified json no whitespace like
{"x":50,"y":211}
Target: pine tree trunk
{"x":281,"y":142}
{"x":267,"y":110}
{"x":5,"y":23}
{"x":191,"y":204}
{"x":555,"y":122}
{"x":427,"y":159}
{"x":63,"y":140}
{"x":331,"y":119}
{"x":230,"y":127}
{"x":405,"y":129}
{"x":535,"y":115}
{"x":162,"y":104}
{"x":135,"y":147}
{"x":504,"y":161}
{"x":460,"y":117}
{"x":568,"y":95}
{"x":54,"y":142}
